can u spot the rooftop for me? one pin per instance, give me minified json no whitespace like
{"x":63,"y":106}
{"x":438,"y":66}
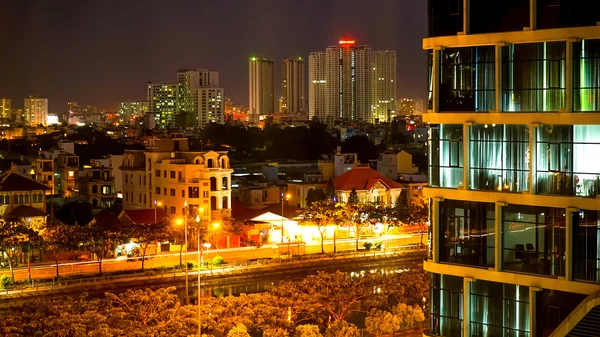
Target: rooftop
{"x":362,"y":178}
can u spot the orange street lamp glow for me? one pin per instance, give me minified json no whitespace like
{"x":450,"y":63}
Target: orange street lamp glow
{"x":197,"y":218}
{"x":159,"y":203}
{"x":288,"y":196}
{"x":179,"y":222}
{"x":216,"y":225}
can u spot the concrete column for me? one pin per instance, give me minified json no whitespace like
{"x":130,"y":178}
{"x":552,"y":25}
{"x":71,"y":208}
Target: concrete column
{"x":569,"y":242}
{"x":435,"y":80}
{"x":466,"y":154}
{"x":467,"y":306}
{"x":498,"y":77}
{"x":435,"y":232}
{"x":532,"y":16}
{"x":466,"y":17}
{"x":498,"y":236}
{"x":533,"y":128}
{"x":569,"y":76}
{"x":532,"y":310}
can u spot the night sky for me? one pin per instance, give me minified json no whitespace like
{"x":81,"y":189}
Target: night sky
{"x":102,"y":52}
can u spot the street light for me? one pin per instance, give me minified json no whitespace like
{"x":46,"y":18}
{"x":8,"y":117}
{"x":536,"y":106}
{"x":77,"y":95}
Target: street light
{"x":156,"y":205}
{"x":179,"y":222}
{"x":287,"y":197}
{"x":199,"y":291}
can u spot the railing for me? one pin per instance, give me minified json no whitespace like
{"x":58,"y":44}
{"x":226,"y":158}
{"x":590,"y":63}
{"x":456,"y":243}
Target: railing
{"x":589,"y":303}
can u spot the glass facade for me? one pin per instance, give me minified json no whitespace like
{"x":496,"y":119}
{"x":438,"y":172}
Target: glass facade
{"x":467,"y":79}
{"x":446,"y":305}
{"x":552,"y":307}
{"x":445,"y":17}
{"x":586,"y":246}
{"x":509,"y":15}
{"x":586,"y":75}
{"x":446,"y":155}
{"x":499,"y":309}
{"x":533,"y":240}
{"x":567,"y":13}
{"x":533,"y":76}
{"x":467,"y":233}
{"x":563,"y":163}
{"x":499,"y":158}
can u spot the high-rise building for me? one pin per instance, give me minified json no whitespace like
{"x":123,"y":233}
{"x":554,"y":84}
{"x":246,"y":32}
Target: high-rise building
{"x":211,"y":106}
{"x":5,"y":108}
{"x":162,"y":102}
{"x":348,"y":82}
{"x":73,"y":108}
{"x":189,"y":80}
{"x":317,"y":85}
{"x":384,"y":85}
{"x":132,"y":109}
{"x":292,"y":86}
{"x":514,"y":119}
{"x":407,"y":107}
{"x":36,"y":110}
{"x":261,"y":88}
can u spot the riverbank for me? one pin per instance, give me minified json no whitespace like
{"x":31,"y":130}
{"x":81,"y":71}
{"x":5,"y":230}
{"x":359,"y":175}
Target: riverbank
{"x":227,"y":274}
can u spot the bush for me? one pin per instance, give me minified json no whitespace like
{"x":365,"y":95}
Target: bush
{"x":367,"y":245}
{"x":217,"y":260}
{"x":191,"y":265}
{"x":6,"y":281}
{"x":378,"y":245}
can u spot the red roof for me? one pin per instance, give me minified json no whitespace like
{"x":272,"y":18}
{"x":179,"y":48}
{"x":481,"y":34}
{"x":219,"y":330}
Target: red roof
{"x":24,"y":211}
{"x":146,"y":216}
{"x":362,"y":178}
{"x":12,"y":181}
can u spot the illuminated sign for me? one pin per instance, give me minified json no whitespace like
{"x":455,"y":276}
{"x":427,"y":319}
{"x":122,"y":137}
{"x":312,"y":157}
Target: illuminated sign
{"x":346,"y":42}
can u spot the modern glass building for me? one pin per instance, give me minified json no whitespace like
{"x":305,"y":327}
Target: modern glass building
{"x":514,"y":174}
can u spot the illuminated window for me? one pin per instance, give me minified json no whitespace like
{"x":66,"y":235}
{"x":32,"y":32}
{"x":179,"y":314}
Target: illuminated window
{"x":71,"y":173}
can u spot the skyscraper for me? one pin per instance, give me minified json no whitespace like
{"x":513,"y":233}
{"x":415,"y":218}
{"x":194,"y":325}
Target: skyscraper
{"x":292,"y":85}
{"x":514,"y":119}
{"x":36,"y":110}
{"x":211,"y":106}
{"x":384,"y":85}
{"x":189,"y":81}
{"x":347,"y":79}
{"x":5,"y":108}
{"x":317,"y":85}
{"x":261,"y":88}
{"x":131,"y":109}
{"x":162,"y":102}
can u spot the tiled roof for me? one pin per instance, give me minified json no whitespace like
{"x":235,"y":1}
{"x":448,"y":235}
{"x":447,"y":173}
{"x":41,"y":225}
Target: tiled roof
{"x":146,"y":216}
{"x":24,"y":211}
{"x":12,"y":181}
{"x":362,"y":178}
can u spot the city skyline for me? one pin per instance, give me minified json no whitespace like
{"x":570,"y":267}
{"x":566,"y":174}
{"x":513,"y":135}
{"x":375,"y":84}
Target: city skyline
{"x":132,"y":59}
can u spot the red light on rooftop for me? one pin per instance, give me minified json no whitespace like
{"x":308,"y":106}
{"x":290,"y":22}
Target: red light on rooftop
{"x":347,"y":42}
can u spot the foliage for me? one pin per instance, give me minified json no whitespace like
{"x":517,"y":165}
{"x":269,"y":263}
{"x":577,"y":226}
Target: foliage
{"x":148,"y":234}
{"x":276,"y":332}
{"x":342,"y":328}
{"x":6,"y":281}
{"x":380,"y":323}
{"x":57,"y":239}
{"x":307,"y":330}
{"x":367,"y":245}
{"x":238,"y":331}
{"x":217,"y":261}
{"x":14,"y":237}
{"x":76,"y":213}
{"x":353,"y":197}
{"x":362,"y":146}
{"x":315,"y":195}
{"x":410,"y":317}
{"x":102,"y":235}
{"x":321,"y":213}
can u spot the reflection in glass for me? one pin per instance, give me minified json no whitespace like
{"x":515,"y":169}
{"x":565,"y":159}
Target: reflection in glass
{"x":586,"y":75}
{"x":586,"y":246}
{"x":430,"y":79}
{"x":533,"y":240}
{"x":467,"y":78}
{"x":534,"y":76}
{"x":446,"y":305}
{"x":467,"y":233}
{"x":499,"y":309}
{"x":499,"y":157}
{"x":446,"y":155}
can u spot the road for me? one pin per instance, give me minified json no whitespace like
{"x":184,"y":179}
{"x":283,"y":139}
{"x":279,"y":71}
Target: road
{"x":171,"y":259}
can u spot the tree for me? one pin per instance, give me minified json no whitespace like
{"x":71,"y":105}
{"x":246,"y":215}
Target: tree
{"x":315,"y":195}
{"x":358,"y":216}
{"x":342,"y":328}
{"x":379,"y":323}
{"x":353,"y":197}
{"x":102,"y":235}
{"x":330,"y":191}
{"x":148,"y":234}
{"x":57,"y":239}
{"x":362,"y":146}
{"x":238,"y":331}
{"x":177,"y":234}
{"x":14,"y":236}
{"x":320,"y":213}
{"x":409,"y":317}
{"x":307,"y":330}
{"x":76,"y":212}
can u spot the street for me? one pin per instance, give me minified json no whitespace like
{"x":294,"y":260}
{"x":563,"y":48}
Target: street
{"x":171,"y":259}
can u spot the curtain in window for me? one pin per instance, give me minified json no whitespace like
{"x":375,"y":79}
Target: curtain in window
{"x":554,"y":159}
{"x":586,"y":72}
{"x":586,"y":139}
